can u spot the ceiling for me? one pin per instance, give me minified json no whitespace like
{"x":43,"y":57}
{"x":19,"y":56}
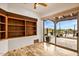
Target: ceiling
{"x":50,"y":9}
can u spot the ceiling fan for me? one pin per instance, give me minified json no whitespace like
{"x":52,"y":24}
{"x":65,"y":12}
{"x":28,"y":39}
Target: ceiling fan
{"x":42,"y":4}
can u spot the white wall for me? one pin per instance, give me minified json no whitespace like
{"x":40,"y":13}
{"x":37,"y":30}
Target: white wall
{"x":3,"y":46}
{"x":4,"y":6}
{"x":18,"y":42}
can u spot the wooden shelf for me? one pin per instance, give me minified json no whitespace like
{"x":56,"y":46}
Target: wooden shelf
{"x":12,"y":34}
{"x":31,"y":28}
{"x":2,"y":23}
{"x":17,"y":31}
{"x":2,"y":31}
{"x":16,"y":25}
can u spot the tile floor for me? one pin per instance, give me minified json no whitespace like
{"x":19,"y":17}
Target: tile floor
{"x":41,"y":49}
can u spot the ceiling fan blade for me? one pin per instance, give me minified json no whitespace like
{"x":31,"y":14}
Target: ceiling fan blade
{"x":43,"y":4}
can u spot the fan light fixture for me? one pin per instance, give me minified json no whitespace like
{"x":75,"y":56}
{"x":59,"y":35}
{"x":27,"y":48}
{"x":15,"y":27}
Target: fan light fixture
{"x":37,"y":4}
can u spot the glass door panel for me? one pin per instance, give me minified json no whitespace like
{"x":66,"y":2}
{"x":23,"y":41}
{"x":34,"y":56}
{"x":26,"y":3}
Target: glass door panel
{"x":49,"y":31}
{"x":66,"y":34}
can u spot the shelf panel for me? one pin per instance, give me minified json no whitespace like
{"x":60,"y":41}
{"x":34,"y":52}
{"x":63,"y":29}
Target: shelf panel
{"x":17,"y":31}
{"x":16,"y":25}
{"x":33,"y":21}
{"x":30,"y":26}
{"x":9,"y":17}
{"x":2,"y":23}
{"x":31,"y":30}
{"x":16,"y":36}
{"x":2,"y":31}
{"x":12,"y":34}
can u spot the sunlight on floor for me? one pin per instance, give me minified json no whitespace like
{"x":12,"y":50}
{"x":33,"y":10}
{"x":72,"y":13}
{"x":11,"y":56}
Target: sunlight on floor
{"x":41,"y":49}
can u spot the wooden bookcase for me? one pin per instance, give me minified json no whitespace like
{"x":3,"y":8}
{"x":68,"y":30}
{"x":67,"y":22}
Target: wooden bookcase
{"x":30,"y":28}
{"x":2,"y":27}
{"x":16,"y":28}
{"x":15,"y":25}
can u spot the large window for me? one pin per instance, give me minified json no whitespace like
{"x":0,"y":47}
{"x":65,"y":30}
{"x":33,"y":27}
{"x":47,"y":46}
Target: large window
{"x":67,"y":34}
{"x":49,"y":30}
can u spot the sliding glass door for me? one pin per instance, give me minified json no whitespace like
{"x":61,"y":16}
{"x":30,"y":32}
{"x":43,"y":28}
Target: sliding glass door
{"x":49,"y":31}
{"x":66,"y":34}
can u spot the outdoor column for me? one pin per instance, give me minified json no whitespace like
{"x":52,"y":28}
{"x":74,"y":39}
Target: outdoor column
{"x":78,"y":33}
{"x":55,"y":31}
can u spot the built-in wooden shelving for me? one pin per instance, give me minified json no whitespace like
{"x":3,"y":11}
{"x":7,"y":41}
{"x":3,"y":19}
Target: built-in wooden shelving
{"x":30,"y":28}
{"x":14,"y":25}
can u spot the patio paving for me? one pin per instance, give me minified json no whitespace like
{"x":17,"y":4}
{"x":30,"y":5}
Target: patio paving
{"x":66,"y":42}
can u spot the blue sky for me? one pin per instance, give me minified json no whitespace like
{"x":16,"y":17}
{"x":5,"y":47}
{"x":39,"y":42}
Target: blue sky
{"x":63,"y":24}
